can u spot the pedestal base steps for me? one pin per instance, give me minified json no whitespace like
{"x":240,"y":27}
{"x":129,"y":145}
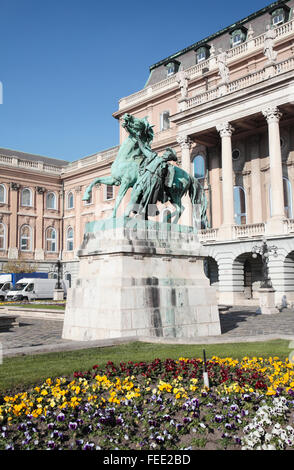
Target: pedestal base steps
{"x":138,"y":279}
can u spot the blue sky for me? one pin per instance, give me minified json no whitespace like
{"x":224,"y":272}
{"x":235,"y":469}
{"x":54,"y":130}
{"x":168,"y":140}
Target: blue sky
{"x":64,"y":64}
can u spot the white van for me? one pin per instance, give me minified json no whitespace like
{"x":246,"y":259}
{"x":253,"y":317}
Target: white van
{"x":32,"y":289}
{"x":5,"y":285}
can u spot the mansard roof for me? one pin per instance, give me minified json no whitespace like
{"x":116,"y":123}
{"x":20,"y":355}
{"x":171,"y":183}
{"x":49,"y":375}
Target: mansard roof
{"x":212,"y":37}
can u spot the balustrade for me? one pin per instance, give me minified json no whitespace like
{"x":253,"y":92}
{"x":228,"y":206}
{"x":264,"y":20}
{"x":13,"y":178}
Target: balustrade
{"x":197,"y":70}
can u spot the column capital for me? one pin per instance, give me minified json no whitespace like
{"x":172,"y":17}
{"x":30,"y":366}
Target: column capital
{"x":272,"y":114}
{"x":185,"y":142}
{"x":225,"y":129}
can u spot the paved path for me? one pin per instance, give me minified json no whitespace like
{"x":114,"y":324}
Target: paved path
{"x":35,"y":335}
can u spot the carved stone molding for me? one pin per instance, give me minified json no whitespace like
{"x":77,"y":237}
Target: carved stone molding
{"x":14,"y":186}
{"x":185,"y":142}
{"x":225,"y":129}
{"x":272,"y":114}
{"x":40,"y":189}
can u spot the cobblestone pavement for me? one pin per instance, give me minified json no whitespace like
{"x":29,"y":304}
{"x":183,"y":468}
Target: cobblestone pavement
{"x":237,"y":323}
{"x":244,"y":321}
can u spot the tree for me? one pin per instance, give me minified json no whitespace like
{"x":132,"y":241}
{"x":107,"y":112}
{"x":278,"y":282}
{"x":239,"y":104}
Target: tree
{"x":17,"y":266}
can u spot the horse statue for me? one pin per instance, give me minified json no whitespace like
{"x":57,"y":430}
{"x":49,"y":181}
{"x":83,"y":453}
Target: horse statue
{"x":125,"y":172}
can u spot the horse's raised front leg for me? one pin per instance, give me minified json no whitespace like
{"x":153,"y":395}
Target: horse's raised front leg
{"x":108,"y":180}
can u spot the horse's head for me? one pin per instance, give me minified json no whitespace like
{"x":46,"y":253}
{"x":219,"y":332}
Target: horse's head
{"x":138,"y":127}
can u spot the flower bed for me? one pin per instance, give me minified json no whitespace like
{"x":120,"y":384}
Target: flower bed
{"x":157,"y":405}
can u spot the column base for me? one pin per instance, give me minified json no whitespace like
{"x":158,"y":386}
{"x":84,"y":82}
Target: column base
{"x":226,"y":298}
{"x":267,"y":301}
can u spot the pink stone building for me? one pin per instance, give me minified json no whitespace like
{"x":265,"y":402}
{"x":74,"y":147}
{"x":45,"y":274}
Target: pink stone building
{"x":226,"y":105}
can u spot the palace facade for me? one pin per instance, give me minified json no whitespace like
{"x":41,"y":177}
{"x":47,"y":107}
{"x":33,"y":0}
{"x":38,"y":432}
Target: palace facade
{"x":226,"y":106}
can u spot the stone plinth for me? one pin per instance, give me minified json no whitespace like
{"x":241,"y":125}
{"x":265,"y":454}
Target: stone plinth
{"x":267,"y":301}
{"x":138,"y":279}
{"x":58,"y":294}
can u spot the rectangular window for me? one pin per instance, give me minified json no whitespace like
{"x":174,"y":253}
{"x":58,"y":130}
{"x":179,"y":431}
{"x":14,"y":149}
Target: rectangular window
{"x":24,"y":244}
{"x":202,"y":53}
{"x":237,"y":39}
{"x":277,"y":19}
{"x":201,"y":56}
{"x":2,"y":193}
{"x":164,"y":121}
{"x":109,"y":192}
{"x":172,"y":68}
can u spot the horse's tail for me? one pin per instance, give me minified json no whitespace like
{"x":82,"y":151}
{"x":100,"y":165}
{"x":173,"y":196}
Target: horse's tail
{"x":199,"y":202}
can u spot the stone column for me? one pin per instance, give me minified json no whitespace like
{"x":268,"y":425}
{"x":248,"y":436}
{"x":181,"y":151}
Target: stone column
{"x":216,"y":191}
{"x":225,"y":130}
{"x":256,"y":193}
{"x":78,"y":209}
{"x":275,"y":223}
{"x":186,"y":144}
{"x":13,"y":222}
{"x":40,"y":241}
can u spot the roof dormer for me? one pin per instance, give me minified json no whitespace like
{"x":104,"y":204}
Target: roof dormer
{"x":238,"y":35}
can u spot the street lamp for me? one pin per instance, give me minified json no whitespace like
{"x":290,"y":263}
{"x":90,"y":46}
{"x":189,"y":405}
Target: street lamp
{"x":59,"y":274}
{"x":264,"y":251}
{"x":57,"y":268}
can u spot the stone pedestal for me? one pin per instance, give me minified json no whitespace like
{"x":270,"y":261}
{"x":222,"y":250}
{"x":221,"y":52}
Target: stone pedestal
{"x":39,"y":254}
{"x":58,"y":294}
{"x":138,"y":279}
{"x":267,"y":301}
{"x":12,"y":253}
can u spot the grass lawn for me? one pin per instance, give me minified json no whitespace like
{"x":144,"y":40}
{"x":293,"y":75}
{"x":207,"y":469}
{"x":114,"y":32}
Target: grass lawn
{"x":45,"y":306}
{"x":20,"y":372}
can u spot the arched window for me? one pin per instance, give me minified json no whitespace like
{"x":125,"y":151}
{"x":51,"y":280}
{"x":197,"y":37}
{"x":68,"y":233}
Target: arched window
{"x":26,"y":197}
{"x":51,"y":239}
{"x":70,"y":200}
{"x":2,"y":237}
{"x":2,"y":193}
{"x":25,"y":238}
{"x":199,"y":167}
{"x":51,"y":201}
{"x":287,"y":187}
{"x":287,"y":198}
{"x":240,"y":205}
{"x":70,"y":239}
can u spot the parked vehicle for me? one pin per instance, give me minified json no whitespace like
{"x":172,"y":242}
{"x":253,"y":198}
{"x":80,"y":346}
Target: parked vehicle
{"x":5,"y":286}
{"x":8,"y":281}
{"x":33,"y":289}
